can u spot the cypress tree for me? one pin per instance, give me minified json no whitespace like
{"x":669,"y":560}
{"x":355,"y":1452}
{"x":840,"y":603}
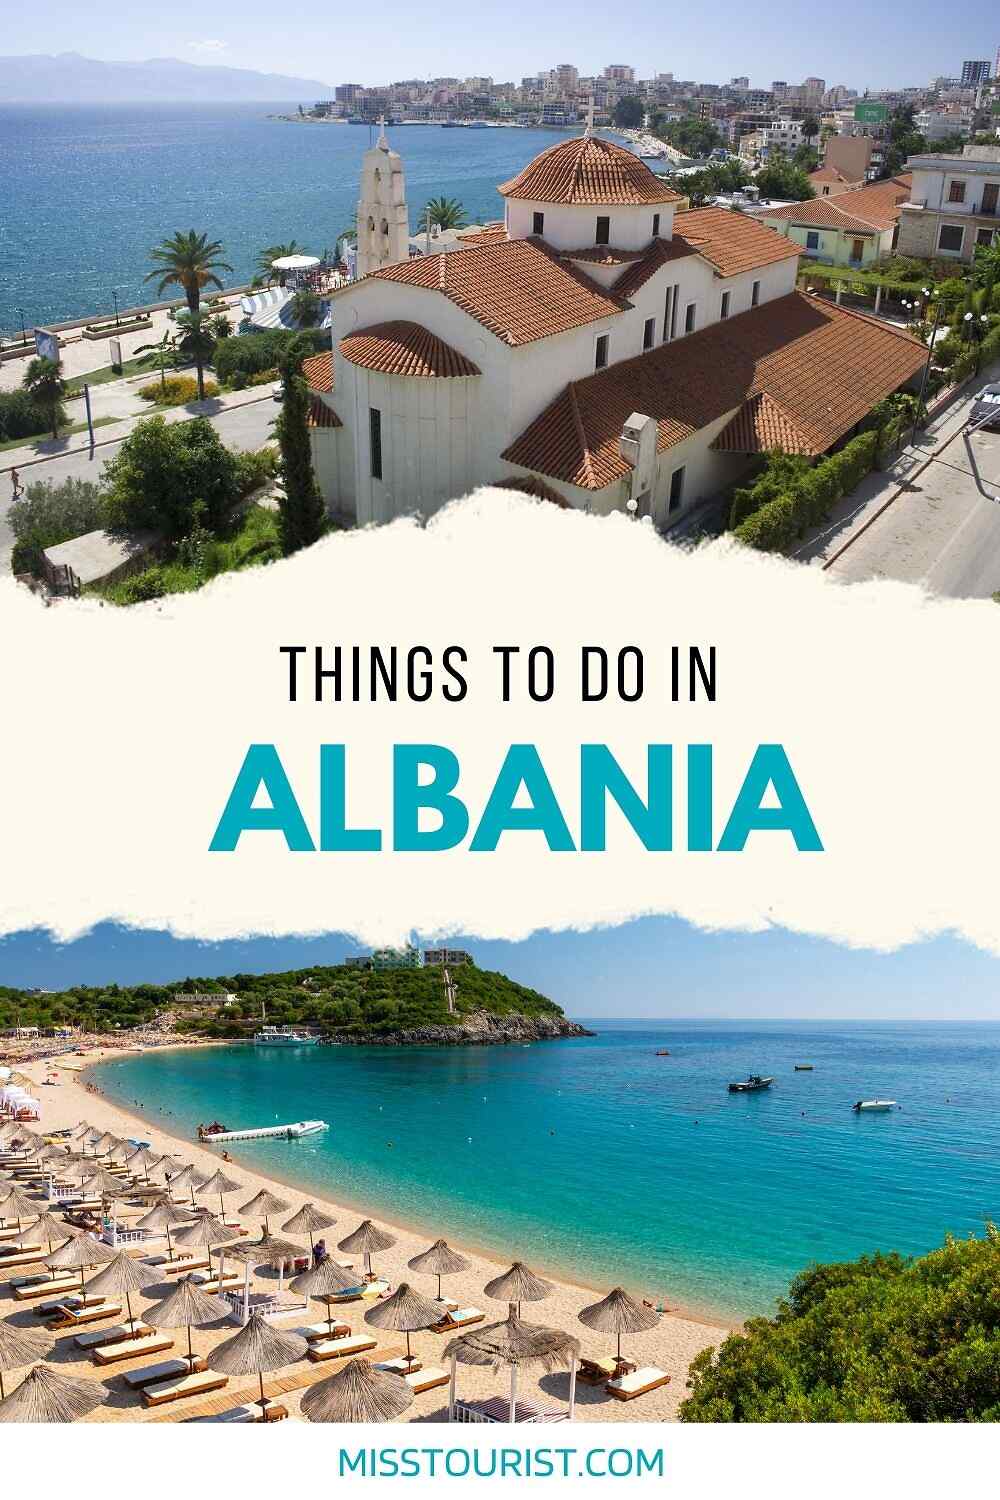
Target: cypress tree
{"x":303,"y":513}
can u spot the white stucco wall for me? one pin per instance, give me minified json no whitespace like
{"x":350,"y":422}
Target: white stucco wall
{"x":571,"y":226}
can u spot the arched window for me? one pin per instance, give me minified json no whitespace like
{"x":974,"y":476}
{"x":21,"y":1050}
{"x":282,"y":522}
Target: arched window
{"x":385,"y":226}
{"x":371,"y":224}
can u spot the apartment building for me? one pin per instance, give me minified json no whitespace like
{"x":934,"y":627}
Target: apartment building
{"x":954,"y":204}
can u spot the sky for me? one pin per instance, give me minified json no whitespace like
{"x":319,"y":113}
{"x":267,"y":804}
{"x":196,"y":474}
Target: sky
{"x":654,"y":968}
{"x":865,"y":46}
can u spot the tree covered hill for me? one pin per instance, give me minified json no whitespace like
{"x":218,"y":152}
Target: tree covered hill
{"x":337,"y":999}
{"x":886,"y":1338}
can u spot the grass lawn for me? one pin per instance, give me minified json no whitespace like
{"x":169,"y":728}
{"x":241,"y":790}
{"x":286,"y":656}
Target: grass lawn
{"x":255,"y":541}
{"x":143,"y":363}
{"x":46,"y":437}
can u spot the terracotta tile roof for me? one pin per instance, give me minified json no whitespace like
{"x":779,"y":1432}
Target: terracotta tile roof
{"x":518,"y":289}
{"x":530,"y":484}
{"x":318,"y":371}
{"x":602,"y":255}
{"x":732,"y":241}
{"x":658,"y":254}
{"x":829,"y":174}
{"x":760,"y":425}
{"x":866,"y":210}
{"x":321,"y":415}
{"x":821,"y":367}
{"x":588,"y":170}
{"x":402,"y":348}
{"x":495,"y":230}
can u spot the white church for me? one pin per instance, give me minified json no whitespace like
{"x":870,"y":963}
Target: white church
{"x":602,"y":347}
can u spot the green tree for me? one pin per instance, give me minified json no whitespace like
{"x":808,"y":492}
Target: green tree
{"x":162,"y":471}
{"x":188,"y":260}
{"x":303,"y":513}
{"x":44,"y":384}
{"x":305,"y":308}
{"x":718,"y":177}
{"x":164,"y":354}
{"x":266,"y":258}
{"x":196,"y":342}
{"x":443,"y":213}
{"x":629,"y":113}
{"x":48,"y":513}
{"x":781,"y":178}
{"x":880,"y":1339}
{"x":810,"y":128}
{"x":903,"y":140}
{"x":692,"y":135}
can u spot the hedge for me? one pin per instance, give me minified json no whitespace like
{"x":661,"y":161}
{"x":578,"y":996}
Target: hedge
{"x":21,"y":416}
{"x":241,"y":356}
{"x":781,"y":521}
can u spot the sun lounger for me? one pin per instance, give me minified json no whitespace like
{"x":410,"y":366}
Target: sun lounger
{"x":66,"y":1299}
{"x":316,"y":1332}
{"x":27,"y":1288}
{"x":143,"y":1343}
{"x":427,"y":1379}
{"x":459,"y":1317}
{"x":165,"y":1369}
{"x":182,"y":1267}
{"x":355,"y":1343}
{"x":597,"y":1371}
{"x":627,"y":1387}
{"x":99,"y":1338}
{"x":248,"y":1413}
{"x":401,"y":1365}
{"x":32,"y":1255}
{"x":210,"y":1284}
{"x":172,"y":1258}
{"x":183,"y":1386}
{"x":72,"y":1317}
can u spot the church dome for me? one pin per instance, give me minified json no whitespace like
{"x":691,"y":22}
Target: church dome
{"x":588,"y":170}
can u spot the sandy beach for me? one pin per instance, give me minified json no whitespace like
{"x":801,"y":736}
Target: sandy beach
{"x":671,"y":1345}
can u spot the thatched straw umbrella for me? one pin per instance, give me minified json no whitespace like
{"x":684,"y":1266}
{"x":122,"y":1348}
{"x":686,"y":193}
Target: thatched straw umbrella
{"x":187,"y":1306}
{"x":364,"y":1241}
{"x":619,"y":1313}
{"x":518,"y":1285}
{"x":124,"y":1275}
{"x":52,"y":1228}
{"x":103,"y":1184}
{"x":262,"y":1205}
{"x":323,"y":1281}
{"x":440,"y":1260}
{"x":80,"y":1254}
{"x":359,"y":1392}
{"x":221,"y":1184}
{"x":183,"y":1181}
{"x":17,"y":1205}
{"x":164,"y":1216}
{"x":46,"y":1396}
{"x":205,"y":1233}
{"x":519,"y":1346}
{"x":141,"y":1160}
{"x":105,"y":1143}
{"x":406,"y":1311}
{"x":309,"y":1220}
{"x":271,"y":1251}
{"x":80,"y":1129}
{"x":258,"y":1349}
{"x":20,"y":1347}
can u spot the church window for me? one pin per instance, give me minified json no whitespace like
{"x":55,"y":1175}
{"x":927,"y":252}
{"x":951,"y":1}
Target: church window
{"x":648,"y":333}
{"x":538,"y":223}
{"x":385,"y":226}
{"x":603,"y":236}
{"x":371,"y":224}
{"x":375,"y":440}
{"x":656,"y":226}
{"x":601,"y":352}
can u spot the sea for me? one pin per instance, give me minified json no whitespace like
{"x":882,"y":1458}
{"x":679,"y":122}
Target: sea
{"x":597,"y":1159}
{"x":85,"y":191}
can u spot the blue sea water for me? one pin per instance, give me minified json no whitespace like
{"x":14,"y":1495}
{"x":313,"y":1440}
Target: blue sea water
{"x":597,"y":1158}
{"x":85,"y":192}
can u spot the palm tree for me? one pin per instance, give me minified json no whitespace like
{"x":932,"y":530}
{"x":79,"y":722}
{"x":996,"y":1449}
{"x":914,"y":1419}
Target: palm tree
{"x":44,"y":384}
{"x":267,"y":257}
{"x":190,"y":261}
{"x":446,"y":213}
{"x":164,"y":355}
{"x":196,"y":342}
{"x":305,"y":308}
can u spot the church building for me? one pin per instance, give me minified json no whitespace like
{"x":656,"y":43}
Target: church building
{"x":602,"y":347}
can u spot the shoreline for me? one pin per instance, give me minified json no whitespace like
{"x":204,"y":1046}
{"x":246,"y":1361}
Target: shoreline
{"x":494,"y":1257}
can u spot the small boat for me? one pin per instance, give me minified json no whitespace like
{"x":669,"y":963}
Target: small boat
{"x":283,"y":1036}
{"x":873,"y":1104}
{"x":217,"y":1132}
{"x":803,"y":1067}
{"x":752,"y":1085}
{"x":662,"y":1052}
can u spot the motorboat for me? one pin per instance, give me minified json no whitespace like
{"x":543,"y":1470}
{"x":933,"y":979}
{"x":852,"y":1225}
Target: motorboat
{"x":874,"y":1104}
{"x":803,"y":1067}
{"x":283,"y":1036}
{"x":751,"y":1085}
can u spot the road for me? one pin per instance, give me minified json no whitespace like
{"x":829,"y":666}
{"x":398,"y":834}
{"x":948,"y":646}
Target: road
{"x":240,"y":427}
{"x":944,"y":529}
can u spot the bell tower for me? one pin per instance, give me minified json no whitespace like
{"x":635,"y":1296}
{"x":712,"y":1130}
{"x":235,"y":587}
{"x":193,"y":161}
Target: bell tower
{"x":383,"y":221}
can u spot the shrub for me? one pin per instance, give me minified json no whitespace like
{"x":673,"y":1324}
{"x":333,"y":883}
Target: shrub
{"x":255,"y":469}
{"x":175,"y":390}
{"x":48,"y":513}
{"x":780,"y":521}
{"x":781,"y":471}
{"x":262,"y":377}
{"x":249,"y":354}
{"x":141,"y":587}
{"x":21,"y":416}
{"x":162,"y":471}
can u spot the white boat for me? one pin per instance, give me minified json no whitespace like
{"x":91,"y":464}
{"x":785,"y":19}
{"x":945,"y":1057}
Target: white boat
{"x":289,"y":1132}
{"x":283,"y":1036}
{"x":874,"y":1104}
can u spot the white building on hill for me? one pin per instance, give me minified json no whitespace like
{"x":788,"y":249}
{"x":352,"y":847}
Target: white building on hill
{"x":599,"y":348}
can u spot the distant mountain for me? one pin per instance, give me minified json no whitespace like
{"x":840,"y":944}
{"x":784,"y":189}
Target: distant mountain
{"x":71,"y":79}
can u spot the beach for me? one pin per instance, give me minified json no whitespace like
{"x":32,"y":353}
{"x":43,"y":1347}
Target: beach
{"x":671,"y":1345}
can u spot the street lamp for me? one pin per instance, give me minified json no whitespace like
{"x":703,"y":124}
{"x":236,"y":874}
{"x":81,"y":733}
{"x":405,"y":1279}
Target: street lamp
{"x":115,"y":296}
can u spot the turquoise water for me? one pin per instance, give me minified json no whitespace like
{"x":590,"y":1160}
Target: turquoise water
{"x":87,"y":191}
{"x":597,"y":1158}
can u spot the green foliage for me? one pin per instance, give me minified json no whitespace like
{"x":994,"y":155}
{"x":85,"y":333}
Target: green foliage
{"x":694,"y":136}
{"x":256,"y":468}
{"x":303,"y":513}
{"x":196,"y":343}
{"x":335,"y":998}
{"x":22,"y":416}
{"x":881,"y":1339}
{"x":445,"y":213}
{"x":267,"y":257}
{"x":44,"y":384}
{"x":781,"y":178}
{"x":175,"y":390}
{"x":986,"y":265}
{"x":629,"y":113}
{"x":162,"y":470}
{"x":248,"y":354}
{"x":306,"y":308}
{"x":904,"y":140}
{"x":781,"y":472}
{"x":188,"y":260}
{"x":48,"y":513}
{"x":203,"y":555}
{"x":717,"y":177}
{"x":809,"y":497}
